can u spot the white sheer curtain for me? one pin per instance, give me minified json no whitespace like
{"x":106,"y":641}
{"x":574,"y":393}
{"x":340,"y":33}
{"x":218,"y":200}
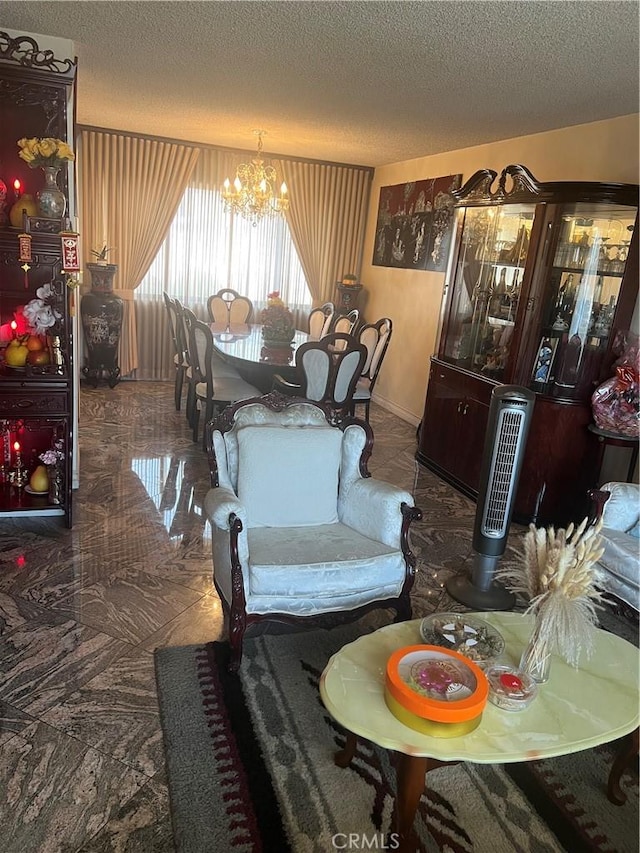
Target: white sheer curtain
{"x":207,"y":249}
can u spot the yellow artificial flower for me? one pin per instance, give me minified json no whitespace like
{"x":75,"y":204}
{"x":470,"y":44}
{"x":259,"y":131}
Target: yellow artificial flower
{"x":27,"y":155}
{"x":65,"y":152}
{"x":45,"y":151}
{"x":48,"y":147}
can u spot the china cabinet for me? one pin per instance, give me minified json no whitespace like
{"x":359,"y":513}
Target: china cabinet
{"x":541,"y":279}
{"x":36,"y":369}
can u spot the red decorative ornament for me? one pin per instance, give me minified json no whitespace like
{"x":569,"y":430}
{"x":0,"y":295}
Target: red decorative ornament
{"x":24,"y":247}
{"x":24,"y":253}
{"x":70,"y":256}
{"x":510,"y":681}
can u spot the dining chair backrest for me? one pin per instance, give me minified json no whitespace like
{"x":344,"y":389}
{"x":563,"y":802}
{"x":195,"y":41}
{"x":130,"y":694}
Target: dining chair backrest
{"x":329,"y":368}
{"x":188,"y":320}
{"x":347,"y":322}
{"x":320,"y":320}
{"x":173,"y":319}
{"x":227,"y":306}
{"x":375,"y":337}
{"x":201,"y":348}
{"x":182,"y":330}
{"x":179,"y":361}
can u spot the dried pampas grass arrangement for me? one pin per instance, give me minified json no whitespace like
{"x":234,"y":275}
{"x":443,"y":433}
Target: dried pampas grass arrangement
{"x":556,"y":575}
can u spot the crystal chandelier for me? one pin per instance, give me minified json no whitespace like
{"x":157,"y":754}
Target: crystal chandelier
{"x":251,"y":194}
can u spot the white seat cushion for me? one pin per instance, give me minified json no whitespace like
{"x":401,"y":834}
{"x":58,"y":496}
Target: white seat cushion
{"x":620,"y":556}
{"x":288,"y":476}
{"x":220,"y":369}
{"x":363,"y":387}
{"x":326,"y":561}
{"x":228,"y":390}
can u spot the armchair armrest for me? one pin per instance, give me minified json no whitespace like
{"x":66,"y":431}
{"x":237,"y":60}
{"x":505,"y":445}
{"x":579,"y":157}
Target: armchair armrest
{"x":230,"y":545}
{"x":220,"y":503}
{"x":375,"y":509}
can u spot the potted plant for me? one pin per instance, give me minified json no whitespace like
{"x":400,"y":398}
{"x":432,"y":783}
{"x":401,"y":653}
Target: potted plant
{"x":350,"y":279}
{"x":278,"y":328}
{"x":101,"y":255}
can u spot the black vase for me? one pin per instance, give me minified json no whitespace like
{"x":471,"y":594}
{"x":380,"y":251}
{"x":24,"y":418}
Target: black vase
{"x":101,"y":311}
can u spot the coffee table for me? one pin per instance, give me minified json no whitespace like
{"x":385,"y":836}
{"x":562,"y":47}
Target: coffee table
{"x":574,"y":710}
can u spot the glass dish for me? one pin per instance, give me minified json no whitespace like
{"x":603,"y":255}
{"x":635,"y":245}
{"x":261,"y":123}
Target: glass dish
{"x":469,"y":636}
{"x":509,"y":688}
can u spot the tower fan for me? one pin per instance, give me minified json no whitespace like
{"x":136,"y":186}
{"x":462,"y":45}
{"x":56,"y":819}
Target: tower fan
{"x":510,"y":416}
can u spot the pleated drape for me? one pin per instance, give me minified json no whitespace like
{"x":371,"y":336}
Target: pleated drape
{"x":130,"y":189}
{"x":327,"y":216}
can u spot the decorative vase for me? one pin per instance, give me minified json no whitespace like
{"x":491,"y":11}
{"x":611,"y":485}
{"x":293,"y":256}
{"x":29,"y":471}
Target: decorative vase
{"x":55,"y":484}
{"x":52,"y":203}
{"x":102,"y":312}
{"x":536,"y":658}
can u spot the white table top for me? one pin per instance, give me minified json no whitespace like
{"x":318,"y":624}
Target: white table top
{"x":575,"y":709}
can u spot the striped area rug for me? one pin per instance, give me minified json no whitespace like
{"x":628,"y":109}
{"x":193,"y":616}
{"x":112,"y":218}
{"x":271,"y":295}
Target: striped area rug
{"x":250,"y":765}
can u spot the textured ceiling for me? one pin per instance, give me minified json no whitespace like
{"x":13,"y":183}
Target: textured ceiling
{"x":355,"y":82}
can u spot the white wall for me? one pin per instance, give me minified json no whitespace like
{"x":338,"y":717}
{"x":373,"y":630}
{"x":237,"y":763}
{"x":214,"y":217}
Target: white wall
{"x":601,"y":151}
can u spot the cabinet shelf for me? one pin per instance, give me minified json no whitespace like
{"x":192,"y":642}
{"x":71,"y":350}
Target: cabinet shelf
{"x":19,"y":502}
{"x":547,"y":323}
{"x":600,"y":271}
{"x":36,"y":403}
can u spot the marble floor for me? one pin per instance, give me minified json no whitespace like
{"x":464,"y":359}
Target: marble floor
{"x":81,"y":611}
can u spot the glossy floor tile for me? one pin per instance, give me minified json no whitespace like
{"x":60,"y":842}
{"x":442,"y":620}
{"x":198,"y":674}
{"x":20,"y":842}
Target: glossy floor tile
{"x":81,"y":611}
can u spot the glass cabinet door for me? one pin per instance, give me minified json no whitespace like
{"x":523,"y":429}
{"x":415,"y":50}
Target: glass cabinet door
{"x":581,"y":297}
{"x":486,"y":287}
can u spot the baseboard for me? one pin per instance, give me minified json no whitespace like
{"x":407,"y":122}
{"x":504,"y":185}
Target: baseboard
{"x":404,"y":414}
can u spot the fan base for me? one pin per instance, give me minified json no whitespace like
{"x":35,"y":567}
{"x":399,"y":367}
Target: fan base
{"x":496,"y":597}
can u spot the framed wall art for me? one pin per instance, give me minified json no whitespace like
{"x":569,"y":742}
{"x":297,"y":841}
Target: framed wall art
{"x":415,"y":223}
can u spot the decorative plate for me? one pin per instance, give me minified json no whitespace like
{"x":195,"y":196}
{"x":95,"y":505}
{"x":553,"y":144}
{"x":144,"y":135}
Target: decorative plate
{"x":469,"y":636}
{"x":31,"y":491}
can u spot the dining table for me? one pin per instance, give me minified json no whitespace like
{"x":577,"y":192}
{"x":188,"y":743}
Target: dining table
{"x":243,"y":346}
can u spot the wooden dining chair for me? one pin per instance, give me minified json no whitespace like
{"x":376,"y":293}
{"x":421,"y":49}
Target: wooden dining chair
{"x":228,"y":306}
{"x":328,"y":371}
{"x":177,"y":339}
{"x":375,"y":337}
{"x":184,"y":315}
{"x":320,"y":320}
{"x":216,"y":383}
{"x":347,"y":323}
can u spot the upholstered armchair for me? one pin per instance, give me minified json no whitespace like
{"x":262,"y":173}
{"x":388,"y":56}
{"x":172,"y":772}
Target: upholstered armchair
{"x":300,"y":529}
{"x":618,"y":570}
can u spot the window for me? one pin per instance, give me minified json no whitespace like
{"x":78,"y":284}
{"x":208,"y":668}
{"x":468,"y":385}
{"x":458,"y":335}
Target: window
{"x":207,"y":249}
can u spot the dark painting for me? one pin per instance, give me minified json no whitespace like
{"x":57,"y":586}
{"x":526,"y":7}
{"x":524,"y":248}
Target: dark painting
{"x":415,"y":223}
